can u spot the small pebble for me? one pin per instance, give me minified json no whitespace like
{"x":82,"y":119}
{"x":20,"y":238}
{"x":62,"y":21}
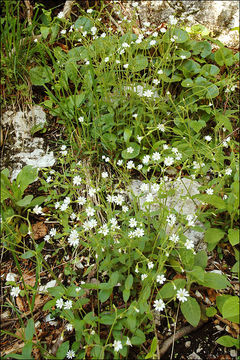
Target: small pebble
{"x":187,"y":344}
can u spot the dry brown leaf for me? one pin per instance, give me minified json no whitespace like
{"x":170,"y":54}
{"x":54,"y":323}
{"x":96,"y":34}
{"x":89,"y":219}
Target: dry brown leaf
{"x":20,"y":332}
{"x":20,"y":303}
{"x":39,"y":230}
{"x":29,"y":278}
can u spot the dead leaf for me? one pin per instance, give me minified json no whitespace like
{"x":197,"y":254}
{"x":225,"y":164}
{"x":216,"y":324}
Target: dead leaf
{"x":29,"y":278}
{"x":20,"y":303}
{"x":39,"y":230}
{"x":20,"y":332}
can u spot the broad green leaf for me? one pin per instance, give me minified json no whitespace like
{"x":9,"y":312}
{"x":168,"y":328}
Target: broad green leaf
{"x":126,"y":294}
{"x":25,"y":201}
{"x":139,"y":338}
{"x":223,"y":120}
{"x":131,"y":322}
{"x":220,"y":300}
{"x":214,"y":200}
{"x":190,"y":68}
{"x":78,"y":53}
{"x":129,"y":282}
{"x":211,"y":311}
{"x":167,"y":291}
{"x":191,"y":311}
{"x":197,"y":273}
{"x":181,"y":36}
{"x":23,"y":229}
{"x":30,"y":329}
{"x":215,"y":281}
{"x":37,"y":201}
{"x":27,"y":350}
{"x":62,"y":350}
{"x":109,"y":141}
{"x":233,"y":235}
{"x":85,"y":22}
{"x":212,"y":237}
{"x":236,"y":267}
{"x":40,"y":75}
{"x":139,"y":63}
{"x":114,"y":278}
{"x":28,"y":254}
{"x":187,"y":82}
{"x":201,"y":259}
{"x":224,"y":56}
{"x":230,"y":309}
{"x":203,"y":48}
{"x":210,"y":70}
{"x":228,"y":341}
{"x":212,"y":91}
{"x":49,"y":305}
{"x":56,"y":291}
{"x":197,"y":125}
{"x":153,"y":349}
{"x":104,"y":294}
{"x":127,"y":134}
{"x":44,"y":31}
{"x":27,"y":175}
{"x":107,"y":319}
{"x":132,"y":151}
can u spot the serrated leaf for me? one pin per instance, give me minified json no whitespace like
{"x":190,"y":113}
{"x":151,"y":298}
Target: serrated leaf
{"x":191,"y":311}
{"x":212,"y":237}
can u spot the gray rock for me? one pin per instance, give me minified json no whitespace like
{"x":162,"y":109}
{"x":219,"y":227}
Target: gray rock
{"x":194,"y":356}
{"x":23,"y":148}
{"x":218,"y":16}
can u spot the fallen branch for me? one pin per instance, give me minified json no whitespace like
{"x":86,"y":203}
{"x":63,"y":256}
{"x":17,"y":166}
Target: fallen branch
{"x":179,"y":334}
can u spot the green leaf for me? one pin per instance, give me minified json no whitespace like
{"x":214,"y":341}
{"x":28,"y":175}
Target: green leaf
{"x":230,"y":309}
{"x":191,"y":311}
{"x":228,"y":341}
{"x":56,"y":291}
{"x":212,"y":91}
{"x":182,"y":36}
{"x":44,"y":31}
{"x":203,"y":48}
{"x":37,"y":128}
{"x":30,"y":329}
{"x":197,"y":125}
{"x":139,"y":63}
{"x":131,"y":322}
{"x":236,"y":267}
{"x":223,"y":120}
{"x":27,"y":175}
{"x":211,"y":311}
{"x":27,"y":350}
{"x":212,"y":200}
{"x":23,"y":229}
{"x":215,"y":281}
{"x":49,"y":305}
{"x":187,"y":82}
{"x":139,"y":338}
{"x":129,"y":282}
{"x":127,"y":134}
{"x":197,"y":273}
{"x":201,"y":259}
{"x":40,"y":75}
{"x":107,"y":319}
{"x":153,"y":349}
{"x":25,"y":201}
{"x":190,"y":68}
{"x":135,"y":151}
{"x":113,"y":279}
{"x":37,"y":201}
{"x":85,"y":22}
{"x":104,"y":294}
{"x":224,"y":56}
{"x":212,"y":237}
{"x":28,"y":254}
{"x":126,"y":294}
{"x":233,"y":235}
{"x":220,"y":300}
{"x":62,"y":350}
{"x":167,"y":291}
{"x":209,"y":70}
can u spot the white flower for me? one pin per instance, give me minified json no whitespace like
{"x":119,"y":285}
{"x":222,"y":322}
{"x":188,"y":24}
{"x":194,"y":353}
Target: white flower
{"x":191,"y":219}
{"x":104,"y":175}
{"x":149,"y":197}
{"x":161,"y":127}
{"x":106,"y":59}
{"x":73,"y":238}
{"x":168,"y":161}
{"x":189,"y":244}
{"x":156,"y":156}
{"x":139,"y":167}
{"x":139,"y":138}
{"x":10,"y":277}
{"x":165,"y":146}
{"x":117,"y":345}
{"x":135,"y":115}
{"x":146,"y":23}
{"x":37,"y":210}
{"x":128,"y":342}
{"x":146,"y":159}
{"x":119,"y":162}
{"x":182,"y":295}
{"x":103,"y":35}
{"x":225,"y":197}
{"x":64,"y":207}
{"x":125,"y":208}
{"x":47,"y":238}
{"x":60,"y":15}
{"x":94,"y":30}
{"x":118,"y":61}
{"x":57,"y":204}
{"x":69,"y":327}
{"x":163,"y":30}
{"x":174,"y":238}
{"x":81,"y":119}
{"x":171,"y":219}
{"x":155,"y":188}
{"x":159,"y":305}
{"x":139,"y":232}
{"x":103,"y":230}
{"x":119,"y":199}
{"x":49,"y":179}
{"x":52,"y":232}
{"x":144,"y":187}
{"x":183,"y":57}
{"x":92,"y":191}
{"x":68,"y":305}
{"x":209,"y":191}
{"x":59,"y":303}
{"x":63,"y":31}
{"x":148,"y":93}
{"x":143,"y":276}
{"x":89,"y":11}
{"x":15,"y":291}
{"x":161,"y":279}
{"x":152,"y":42}
{"x":156,"y":81}
{"x":125,"y":45}
{"x":130,"y":150}
{"x":81,"y":200}
{"x":228,"y":171}
{"x":132,"y":222}
{"x":150,"y":265}
{"x":35,"y":40}
{"x":172,"y":20}
{"x":155,"y":34}
{"x":130,"y":165}
{"x":160,"y":72}
{"x":208,"y":138}
{"x":126,"y":66}
{"x":135,"y":4}
{"x":70,"y":354}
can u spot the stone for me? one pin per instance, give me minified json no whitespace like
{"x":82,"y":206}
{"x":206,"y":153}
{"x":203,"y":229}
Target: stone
{"x":194,"y":356}
{"x":24,"y":148}
{"x":219,"y":17}
{"x":180,"y":200}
